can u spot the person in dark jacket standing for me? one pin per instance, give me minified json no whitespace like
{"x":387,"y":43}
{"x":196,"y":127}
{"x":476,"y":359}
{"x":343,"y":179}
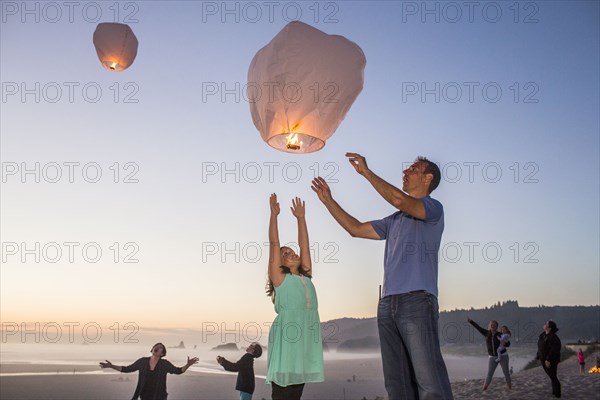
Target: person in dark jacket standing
{"x":549,"y":354}
{"x":492,"y":340}
{"x":245,"y":368}
{"x":152,"y":380}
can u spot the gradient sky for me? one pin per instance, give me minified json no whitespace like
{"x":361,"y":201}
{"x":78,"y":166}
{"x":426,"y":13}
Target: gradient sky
{"x":520,"y":170}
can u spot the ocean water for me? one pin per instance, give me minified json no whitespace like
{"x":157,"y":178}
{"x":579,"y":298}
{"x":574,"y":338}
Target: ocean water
{"x":459,"y":367}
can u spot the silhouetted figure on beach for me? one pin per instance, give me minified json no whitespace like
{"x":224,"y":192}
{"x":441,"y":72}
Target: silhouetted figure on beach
{"x":549,"y":346}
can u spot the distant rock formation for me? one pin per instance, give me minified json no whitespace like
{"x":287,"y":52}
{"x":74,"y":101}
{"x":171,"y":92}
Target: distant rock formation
{"x":225,"y":347}
{"x":179,"y":346}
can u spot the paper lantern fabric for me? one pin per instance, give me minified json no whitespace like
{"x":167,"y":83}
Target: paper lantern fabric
{"x":116,"y":45}
{"x":303,"y":82}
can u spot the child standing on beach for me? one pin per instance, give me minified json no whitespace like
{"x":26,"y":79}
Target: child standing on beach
{"x":295,"y":341}
{"x":504,"y":338}
{"x":245,"y":369}
{"x":581,"y":361}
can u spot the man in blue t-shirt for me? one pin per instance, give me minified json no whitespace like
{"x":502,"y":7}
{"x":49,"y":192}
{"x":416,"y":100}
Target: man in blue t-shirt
{"x":407,"y":315}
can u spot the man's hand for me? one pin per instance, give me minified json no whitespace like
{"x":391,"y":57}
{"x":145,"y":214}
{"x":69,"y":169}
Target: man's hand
{"x":358,"y":162}
{"x":220,"y":359}
{"x":547,"y":364}
{"x":106,"y":364}
{"x":321,"y":188}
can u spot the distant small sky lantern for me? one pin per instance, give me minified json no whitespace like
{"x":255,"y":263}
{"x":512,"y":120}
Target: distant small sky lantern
{"x":116,"y":45}
{"x":301,"y":85}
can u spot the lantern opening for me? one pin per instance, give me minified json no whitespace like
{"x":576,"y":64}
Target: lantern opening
{"x":296,"y":142}
{"x":113,"y":66}
{"x":293,"y":143}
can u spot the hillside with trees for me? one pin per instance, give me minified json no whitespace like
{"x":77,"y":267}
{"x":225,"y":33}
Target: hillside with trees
{"x":576,"y":323}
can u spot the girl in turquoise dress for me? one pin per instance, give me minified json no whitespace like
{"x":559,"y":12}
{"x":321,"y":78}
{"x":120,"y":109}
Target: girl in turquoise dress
{"x":295,"y":351}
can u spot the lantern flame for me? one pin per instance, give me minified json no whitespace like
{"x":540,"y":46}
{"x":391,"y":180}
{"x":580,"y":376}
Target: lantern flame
{"x":292,"y":142}
{"x":113,"y":65}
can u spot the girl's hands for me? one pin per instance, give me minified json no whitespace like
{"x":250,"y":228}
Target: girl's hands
{"x":298,"y":208}
{"x":274,"y":204}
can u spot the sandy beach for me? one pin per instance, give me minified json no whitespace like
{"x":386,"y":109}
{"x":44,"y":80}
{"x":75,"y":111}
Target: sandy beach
{"x":534,"y":384}
{"x":346,"y":379}
{"x":90,"y":383}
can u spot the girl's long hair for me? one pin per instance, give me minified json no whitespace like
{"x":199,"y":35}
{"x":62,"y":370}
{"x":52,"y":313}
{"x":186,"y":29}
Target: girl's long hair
{"x":270,"y":288}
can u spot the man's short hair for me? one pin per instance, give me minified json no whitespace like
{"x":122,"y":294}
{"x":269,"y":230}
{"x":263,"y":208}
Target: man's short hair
{"x":433,"y":169}
{"x":257,"y":350}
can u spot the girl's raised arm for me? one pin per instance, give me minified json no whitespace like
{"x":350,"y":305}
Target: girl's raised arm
{"x":275,"y":274}
{"x":299,"y":210}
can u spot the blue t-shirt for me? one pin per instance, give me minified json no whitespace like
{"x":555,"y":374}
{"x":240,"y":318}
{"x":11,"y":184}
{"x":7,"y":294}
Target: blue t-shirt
{"x":411,"y":249}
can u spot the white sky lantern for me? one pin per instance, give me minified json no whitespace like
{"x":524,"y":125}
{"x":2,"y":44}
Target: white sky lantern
{"x":116,"y":45}
{"x":301,"y":85}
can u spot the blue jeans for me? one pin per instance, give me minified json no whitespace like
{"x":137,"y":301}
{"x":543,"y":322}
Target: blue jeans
{"x":245,"y":396}
{"x":413,"y":367}
{"x":492,"y":364}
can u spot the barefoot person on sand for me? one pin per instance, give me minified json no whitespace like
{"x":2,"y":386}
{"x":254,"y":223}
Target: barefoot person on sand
{"x":152,"y":379}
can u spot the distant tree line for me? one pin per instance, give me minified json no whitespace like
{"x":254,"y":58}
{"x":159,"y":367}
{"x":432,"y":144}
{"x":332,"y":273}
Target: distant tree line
{"x":525,"y":323}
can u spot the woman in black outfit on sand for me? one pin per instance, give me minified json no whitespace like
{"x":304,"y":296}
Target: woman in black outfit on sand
{"x":492,"y":339}
{"x":549,"y":354}
{"x":152,"y":380}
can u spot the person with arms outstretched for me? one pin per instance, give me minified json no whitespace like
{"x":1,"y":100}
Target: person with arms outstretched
{"x":153,"y":370}
{"x":245,"y":369}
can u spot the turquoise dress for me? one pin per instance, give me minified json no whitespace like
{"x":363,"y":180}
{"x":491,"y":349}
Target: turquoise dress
{"x":295,"y":343}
